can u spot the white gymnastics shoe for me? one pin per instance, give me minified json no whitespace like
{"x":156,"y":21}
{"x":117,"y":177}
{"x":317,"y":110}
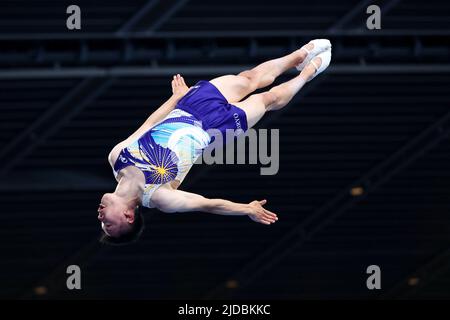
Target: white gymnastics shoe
{"x":325,"y":58}
{"x":320,"y":45}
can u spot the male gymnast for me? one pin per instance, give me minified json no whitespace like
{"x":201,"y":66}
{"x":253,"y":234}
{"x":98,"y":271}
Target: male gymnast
{"x":150,"y":164}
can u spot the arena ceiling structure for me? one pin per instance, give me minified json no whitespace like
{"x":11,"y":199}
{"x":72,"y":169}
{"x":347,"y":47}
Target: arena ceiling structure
{"x":364,"y":174}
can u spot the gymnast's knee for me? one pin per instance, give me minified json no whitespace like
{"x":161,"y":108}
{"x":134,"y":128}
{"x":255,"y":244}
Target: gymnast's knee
{"x":270,"y":99}
{"x":250,"y":79}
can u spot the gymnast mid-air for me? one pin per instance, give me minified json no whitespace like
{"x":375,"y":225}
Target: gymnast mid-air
{"x":150,"y":164}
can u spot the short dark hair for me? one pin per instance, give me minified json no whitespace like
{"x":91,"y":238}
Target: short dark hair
{"x":129,"y":237}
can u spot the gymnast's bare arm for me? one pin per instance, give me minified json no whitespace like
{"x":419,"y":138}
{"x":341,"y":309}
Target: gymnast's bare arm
{"x":179,"y":89}
{"x":171,"y":200}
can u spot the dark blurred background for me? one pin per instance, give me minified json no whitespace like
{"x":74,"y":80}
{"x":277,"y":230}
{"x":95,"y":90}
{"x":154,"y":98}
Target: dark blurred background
{"x":364,"y":174}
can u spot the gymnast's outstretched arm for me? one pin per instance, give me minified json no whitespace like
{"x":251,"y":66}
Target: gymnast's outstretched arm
{"x":179,"y":89}
{"x":171,"y":200}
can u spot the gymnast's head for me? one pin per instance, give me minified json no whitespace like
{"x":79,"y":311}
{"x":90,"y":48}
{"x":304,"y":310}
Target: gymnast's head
{"x":121,"y":220}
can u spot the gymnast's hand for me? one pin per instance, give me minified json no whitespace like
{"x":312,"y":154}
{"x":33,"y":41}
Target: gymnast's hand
{"x":261,"y":215}
{"x":179,"y":87}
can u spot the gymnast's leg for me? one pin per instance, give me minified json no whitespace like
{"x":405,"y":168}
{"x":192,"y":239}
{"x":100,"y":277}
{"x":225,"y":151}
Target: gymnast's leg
{"x":236,"y":87}
{"x":279,"y":96}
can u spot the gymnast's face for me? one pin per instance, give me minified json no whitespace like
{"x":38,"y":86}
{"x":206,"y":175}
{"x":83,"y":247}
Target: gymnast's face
{"x":113,"y":215}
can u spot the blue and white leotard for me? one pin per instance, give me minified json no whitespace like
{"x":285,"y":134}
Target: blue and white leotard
{"x":166,"y":152}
